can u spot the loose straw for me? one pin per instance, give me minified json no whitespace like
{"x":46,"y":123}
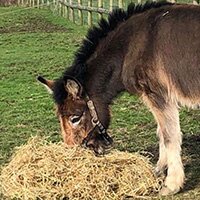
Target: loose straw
{"x":42,"y":170}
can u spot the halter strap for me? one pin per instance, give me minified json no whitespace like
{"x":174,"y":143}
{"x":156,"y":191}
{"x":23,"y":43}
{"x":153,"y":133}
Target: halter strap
{"x":95,"y":120}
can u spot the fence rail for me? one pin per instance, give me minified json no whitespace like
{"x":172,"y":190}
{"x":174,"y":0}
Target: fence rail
{"x":84,"y":11}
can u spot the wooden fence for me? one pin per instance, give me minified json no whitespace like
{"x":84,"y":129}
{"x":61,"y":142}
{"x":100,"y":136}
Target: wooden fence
{"x":84,"y":11}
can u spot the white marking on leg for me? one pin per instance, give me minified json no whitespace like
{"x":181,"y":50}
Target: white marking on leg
{"x":162,"y":161}
{"x":173,"y":140}
{"x":170,"y":145}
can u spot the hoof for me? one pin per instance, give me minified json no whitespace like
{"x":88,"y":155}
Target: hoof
{"x":165,"y":191}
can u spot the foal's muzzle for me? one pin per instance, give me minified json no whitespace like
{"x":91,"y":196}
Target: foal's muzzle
{"x":98,"y":142}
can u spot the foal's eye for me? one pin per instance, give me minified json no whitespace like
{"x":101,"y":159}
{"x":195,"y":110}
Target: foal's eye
{"x":75,"y":119}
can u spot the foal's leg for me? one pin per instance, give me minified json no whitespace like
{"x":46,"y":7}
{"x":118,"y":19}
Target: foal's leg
{"x":170,"y":146}
{"x":162,"y":161}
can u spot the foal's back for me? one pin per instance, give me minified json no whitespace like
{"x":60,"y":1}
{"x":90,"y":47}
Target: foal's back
{"x":164,"y":51}
{"x":179,"y":50}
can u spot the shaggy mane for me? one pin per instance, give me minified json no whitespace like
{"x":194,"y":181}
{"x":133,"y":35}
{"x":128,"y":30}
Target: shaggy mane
{"x":93,"y":37}
{"x":96,"y":33}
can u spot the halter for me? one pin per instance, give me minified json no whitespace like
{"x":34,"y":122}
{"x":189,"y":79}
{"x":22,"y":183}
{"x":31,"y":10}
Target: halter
{"x":95,"y":120}
{"x":96,"y":125}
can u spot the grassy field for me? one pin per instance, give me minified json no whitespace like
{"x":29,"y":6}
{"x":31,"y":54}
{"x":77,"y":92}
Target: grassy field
{"x":34,"y":42}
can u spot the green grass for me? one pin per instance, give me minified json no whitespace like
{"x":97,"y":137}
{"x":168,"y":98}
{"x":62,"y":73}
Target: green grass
{"x":45,"y":48}
{"x":36,"y":42}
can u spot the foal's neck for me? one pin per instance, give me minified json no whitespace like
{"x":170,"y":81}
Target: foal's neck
{"x":103,"y":80}
{"x":104,"y":68}
{"x":103,"y":85}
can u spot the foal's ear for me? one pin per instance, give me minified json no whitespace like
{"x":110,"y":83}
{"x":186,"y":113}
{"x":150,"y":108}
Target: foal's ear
{"x":49,"y":84}
{"x":73,"y":88}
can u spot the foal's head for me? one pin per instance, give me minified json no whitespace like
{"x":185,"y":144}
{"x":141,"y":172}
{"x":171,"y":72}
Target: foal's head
{"x":74,"y":115}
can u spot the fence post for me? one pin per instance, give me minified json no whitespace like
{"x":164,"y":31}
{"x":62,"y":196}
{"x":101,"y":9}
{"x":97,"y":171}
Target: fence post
{"x":68,"y":11}
{"x":111,"y":5}
{"x":64,"y":9}
{"x":55,"y":6}
{"x":100,"y":5}
{"x":59,"y":7}
{"x":80,"y":13}
{"x":89,"y":13}
{"x":195,"y":2}
{"x":120,"y":3}
{"x":71,"y":11}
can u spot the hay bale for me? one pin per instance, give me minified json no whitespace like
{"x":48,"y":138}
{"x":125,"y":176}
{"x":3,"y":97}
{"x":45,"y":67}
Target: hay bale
{"x":42,"y":170}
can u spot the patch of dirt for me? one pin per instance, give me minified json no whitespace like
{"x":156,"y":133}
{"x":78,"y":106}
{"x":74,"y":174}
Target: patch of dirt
{"x":32,"y":24}
{"x":7,"y":2}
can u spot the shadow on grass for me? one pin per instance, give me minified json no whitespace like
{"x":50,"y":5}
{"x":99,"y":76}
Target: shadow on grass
{"x":191,"y":149}
{"x":191,"y":160}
